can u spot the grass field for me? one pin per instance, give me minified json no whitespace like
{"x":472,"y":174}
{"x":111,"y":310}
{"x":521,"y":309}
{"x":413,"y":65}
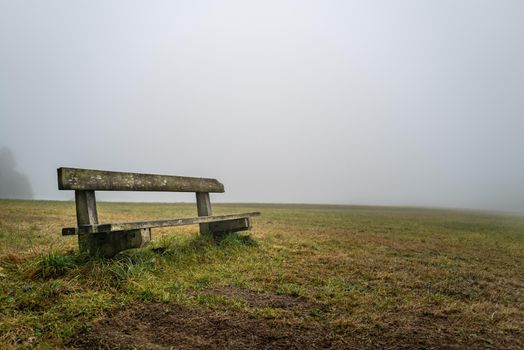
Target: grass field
{"x":307,"y":276}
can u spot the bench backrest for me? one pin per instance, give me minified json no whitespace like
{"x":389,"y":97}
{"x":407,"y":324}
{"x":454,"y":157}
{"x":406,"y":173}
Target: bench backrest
{"x":86,"y":181}
{"x":101,"y":180}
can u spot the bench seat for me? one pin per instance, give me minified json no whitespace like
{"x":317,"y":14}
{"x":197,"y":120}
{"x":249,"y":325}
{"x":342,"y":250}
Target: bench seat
{"x":136,"y":225}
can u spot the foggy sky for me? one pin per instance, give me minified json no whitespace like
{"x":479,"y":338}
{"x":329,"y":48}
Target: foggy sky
{"x":360,"y":102}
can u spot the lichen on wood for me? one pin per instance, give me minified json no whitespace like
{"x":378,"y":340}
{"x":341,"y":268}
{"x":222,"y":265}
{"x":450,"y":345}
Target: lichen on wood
{"x":102,"y":180}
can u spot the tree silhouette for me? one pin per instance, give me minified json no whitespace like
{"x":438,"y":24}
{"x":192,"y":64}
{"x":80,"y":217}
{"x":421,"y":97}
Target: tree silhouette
{"x":13,"y":184}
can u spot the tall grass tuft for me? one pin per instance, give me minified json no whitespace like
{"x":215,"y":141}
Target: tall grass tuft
{"x":237,"y":239}
{"x":54,"y":265}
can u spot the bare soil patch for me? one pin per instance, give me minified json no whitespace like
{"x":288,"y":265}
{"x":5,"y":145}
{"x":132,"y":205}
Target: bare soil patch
{"x":263,"y":300}
{"x":169,"y":326}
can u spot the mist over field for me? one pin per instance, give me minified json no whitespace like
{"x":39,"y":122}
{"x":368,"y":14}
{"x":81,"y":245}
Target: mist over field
{"x":13,"y":184}
{"x":347,"y":102}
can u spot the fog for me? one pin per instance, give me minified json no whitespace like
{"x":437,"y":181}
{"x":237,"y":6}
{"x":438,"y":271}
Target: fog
{"x":350,"y":102}
{"x":13,"y":183}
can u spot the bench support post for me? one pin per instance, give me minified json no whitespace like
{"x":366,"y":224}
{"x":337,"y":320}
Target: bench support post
{"x":86,"y":214}
{"x":221,"y":228}
{"x":108,"y":244}
{"x":204,"y":209}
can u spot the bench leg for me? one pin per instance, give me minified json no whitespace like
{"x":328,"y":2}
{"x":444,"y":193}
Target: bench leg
{"x":86,"y":214}
{"x":221,"y":228}
{"x":204,"y":209}
{"x":108,"y":244}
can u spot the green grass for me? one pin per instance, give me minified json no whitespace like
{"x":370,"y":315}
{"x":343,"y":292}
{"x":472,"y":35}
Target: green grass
{"x":378,"y":272}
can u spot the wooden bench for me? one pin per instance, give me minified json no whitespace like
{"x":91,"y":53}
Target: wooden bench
{"x":107,"y":240}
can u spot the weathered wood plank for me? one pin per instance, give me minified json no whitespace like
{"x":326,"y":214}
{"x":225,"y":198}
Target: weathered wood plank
{"x":69,"y":231}
{"x":86,"y":214}
{"x":204,"y":209}
{"x":108,"y":244}
{"x":227,"y":226}
{"x":123,"y":226}
{"x":101,"y":180}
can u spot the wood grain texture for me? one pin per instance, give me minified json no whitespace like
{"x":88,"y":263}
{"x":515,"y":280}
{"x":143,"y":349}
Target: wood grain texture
{"x":101,"y":180}
{"x":108,"y":244}
{"x":203,"y":209}
{"x":123,"y":226}
{"x":220,"y":228}
{"x":86,"y":214}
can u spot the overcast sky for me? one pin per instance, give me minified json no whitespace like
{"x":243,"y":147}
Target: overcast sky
{"x":360,"y":102}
